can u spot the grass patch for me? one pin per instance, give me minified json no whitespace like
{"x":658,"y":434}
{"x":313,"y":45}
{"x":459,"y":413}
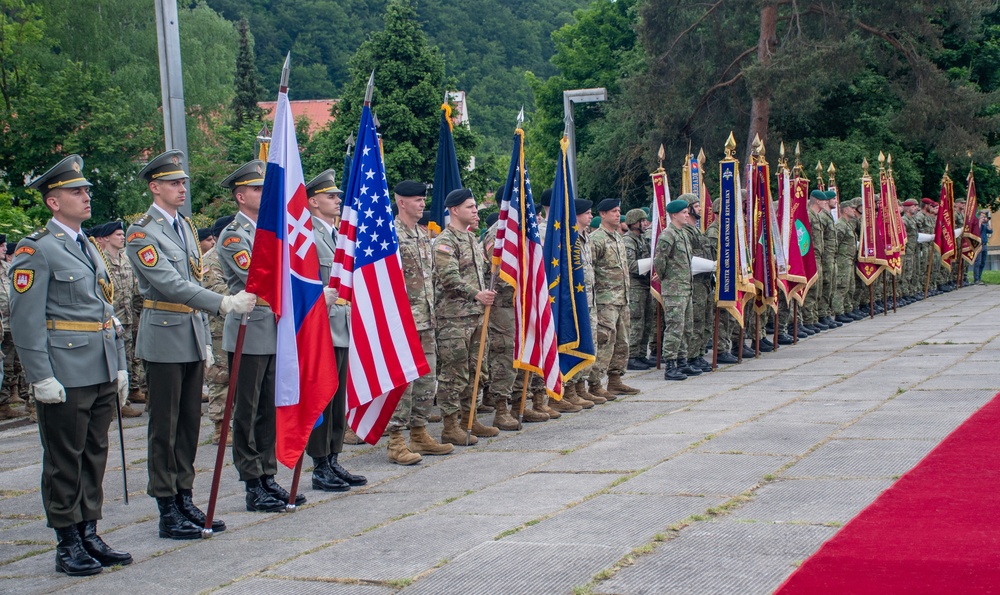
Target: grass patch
{"x":833,"y":524}
{"x":991,"y":277}
{"x":399,"y":583}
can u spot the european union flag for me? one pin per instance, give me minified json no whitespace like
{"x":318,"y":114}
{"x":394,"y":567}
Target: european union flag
{"x":446,"y":175}
{"x":564,"y":268}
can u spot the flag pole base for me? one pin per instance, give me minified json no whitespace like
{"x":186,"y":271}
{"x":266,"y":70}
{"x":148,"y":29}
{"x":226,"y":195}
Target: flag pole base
{"x":468,"y":436}
{"x":207,"y":533}
{"x":290,"y":508}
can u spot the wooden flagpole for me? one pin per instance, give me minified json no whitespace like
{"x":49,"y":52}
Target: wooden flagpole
{"x":715,"y":341}
{"x":524,"y":397}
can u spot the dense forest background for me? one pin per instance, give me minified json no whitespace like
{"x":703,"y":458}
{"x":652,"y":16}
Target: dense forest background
{"x":847,"y":79}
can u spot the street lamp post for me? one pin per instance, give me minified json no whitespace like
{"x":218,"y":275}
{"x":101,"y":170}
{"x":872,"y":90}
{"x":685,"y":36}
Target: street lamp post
{"x":168,"y":42}
{"x":571,"y":96}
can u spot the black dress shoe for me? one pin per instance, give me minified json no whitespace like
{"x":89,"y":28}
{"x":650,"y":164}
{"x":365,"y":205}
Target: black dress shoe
{"x":672,"y":372}
{"x":649,"y":361}
{"x":279,"y":492}
{"x":261,"y":500}
{"x":344,"y":474}
{"x":636,"y":364}
{"x":173,"y":524}
{"x":185,"y":504}
{"x":726,"y":358}
{"x":323,"y":478}
{"x":785,"y":339}
{"x":71,"y":557}
{"x":99,"y":550}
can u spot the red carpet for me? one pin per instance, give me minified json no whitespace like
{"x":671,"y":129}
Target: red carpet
{"x":936,"y":530}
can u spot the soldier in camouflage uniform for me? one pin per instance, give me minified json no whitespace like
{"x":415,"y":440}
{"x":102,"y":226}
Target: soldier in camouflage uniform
{"x":9,"y":388}
{"x":642,"y":307}
{"x":672,"y":264}
{"x":702,"y":308}
{"x":829,"y":259}
{"x":611,"y":298}
{"x":812,"y":307}
{"x":216,"y":375}
{"x":461,"y":295}
{"x":417,"y":259}
{"x":929,"y":257}
{"x":959,"y":224}
{"x":728,"y":327}
{"x":911,"y":260}
{"x":846,"y":255}
{"x":110,"y":241}
{"x":575,"y":391}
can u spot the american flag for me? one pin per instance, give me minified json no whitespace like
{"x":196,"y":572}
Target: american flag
{"x":385,"y":351}
{"x":518,"y":252}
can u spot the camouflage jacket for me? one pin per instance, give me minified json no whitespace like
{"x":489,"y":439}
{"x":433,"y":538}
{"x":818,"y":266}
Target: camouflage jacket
{"x":912,"y":228}
{"x":847,"y":241}
{"x":611,"y":278}
{"x":125,"y":284}
{"x":418,"y":270}
{"x":672,"y":262}
{"x":700,"y":246}
{"x":829,"y":235}
{"x":817,"y":236}
{"x":4,"y":296}
{"x":459,"y":267}
{"x":636,"y":248}
{"x":584,"y":250}
{"x":213,"y":279}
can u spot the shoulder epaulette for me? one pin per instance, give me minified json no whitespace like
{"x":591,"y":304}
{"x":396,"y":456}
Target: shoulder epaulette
{"x":38,"y":233}
{"x":144,"y":220}
{"x":233,"y":226}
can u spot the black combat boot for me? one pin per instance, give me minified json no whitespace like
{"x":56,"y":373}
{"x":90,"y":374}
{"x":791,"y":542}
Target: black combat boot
{"x":323,"y":478}
{"x":672,"y":372}
{"x":173,"y":524}
{"x":344,"y":474}
{"x":71,"y":557}
{"x":279,"y":492}
{"x":259,"y":499}
{"x":99,"y":550}
{"x":185,"y":504}
{"x":686,"y":368}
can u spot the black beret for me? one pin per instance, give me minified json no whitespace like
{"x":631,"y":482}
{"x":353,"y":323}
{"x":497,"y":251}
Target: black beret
{"x":457,"y":197}
{"x":204,"y":233}
{"x":221,"y":223}
{"x":410,"y":188}
{"x":106,"y":229}
{"x":3,"y":238}
{"x":607,"y":204}
{"x":491,"y":219}
{"x":583,"y":205}
{"x":546,"y":197}
{"x":11,"y":246}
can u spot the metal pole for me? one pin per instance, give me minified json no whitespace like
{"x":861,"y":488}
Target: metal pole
{"x":168,"y":42}
{"x":571,"y":137}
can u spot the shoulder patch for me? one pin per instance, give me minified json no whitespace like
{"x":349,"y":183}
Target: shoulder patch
{"x":242,"y":259}
{"x":24,"y":250}
{"x":148,"y":256}
{"x":23,"y":279}
{"x":231,"y":240}
{"x":445,"y":248}
{"x":144,"y":220}
{"x":40,"y":233}
{"x":136,"y":235}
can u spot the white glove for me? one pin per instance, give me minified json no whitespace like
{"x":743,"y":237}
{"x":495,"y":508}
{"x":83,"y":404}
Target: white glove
{"x":209,"y":357}
{"x":122,"y":387}
{"x":331,"y":295}
{"x":241,"y":303}
{"x":49,"y":391}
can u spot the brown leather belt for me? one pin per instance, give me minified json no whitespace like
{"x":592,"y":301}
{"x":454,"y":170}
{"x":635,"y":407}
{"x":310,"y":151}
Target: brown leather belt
{"x":167,"y":306}
{"x":73,"y":325}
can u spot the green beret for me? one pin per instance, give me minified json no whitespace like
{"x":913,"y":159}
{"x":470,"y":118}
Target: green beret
{"x":678,"y":205}
{"x":818,"y":195}
{"x":165,"y":167}
{"x":646,"y":210}
{"x":634,"y":216}
{"x":595,"y":222}
{"x":831,"y":194}
{"x":68,"y":173}
{"x":457,"y":197}
{"x":607,"y":204}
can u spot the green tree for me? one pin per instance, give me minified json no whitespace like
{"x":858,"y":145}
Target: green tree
{"x":244,"y":106}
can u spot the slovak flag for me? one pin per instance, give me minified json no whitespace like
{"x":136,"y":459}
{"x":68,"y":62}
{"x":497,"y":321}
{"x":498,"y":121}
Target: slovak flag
{"x":385,"y":351}
{"x":285,"y":273}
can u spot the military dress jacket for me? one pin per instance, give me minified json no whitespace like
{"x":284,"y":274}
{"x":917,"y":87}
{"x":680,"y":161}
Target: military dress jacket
{"x":340,"y":313}
{"x":173,"y":326}
{"x":61,"y":311}
{"x":235,"y":247}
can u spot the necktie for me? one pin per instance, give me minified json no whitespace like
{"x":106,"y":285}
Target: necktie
{"x":82,"y":242}
{"x":180,"y":234}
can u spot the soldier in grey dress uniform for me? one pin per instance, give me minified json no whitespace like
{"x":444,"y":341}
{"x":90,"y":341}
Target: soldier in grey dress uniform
{"x":253,"y":413}
{"x":74,"y":360}
{"x":327,"y":439}
{"x":174,"y":341}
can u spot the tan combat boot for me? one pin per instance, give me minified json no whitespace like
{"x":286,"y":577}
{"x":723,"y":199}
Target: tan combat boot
{"x":539,"y":403}
{"x":533,"y":414}
{"x":617,"y":387}
{"x":595,"y":388}
{"x":136,"y":396}
{"x":566,"y":405}
{"x":423,"y":443}
{"x":453,"y":434}
{"x":8,"y":412}
{"x":571,"y":396}
{"x":398,"y":453}
{"x":351,"y":438}
{"x":583,"y":393}
{"x":478,"y":429}
{"x":129,"y":411}
{"x":217,"y":434}
{"x":502,"y":418}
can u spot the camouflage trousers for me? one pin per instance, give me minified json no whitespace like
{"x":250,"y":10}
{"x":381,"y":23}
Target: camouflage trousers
{"x":415,"y":405}
{"x":677,"y":318}
{"x":136,"y":369}
{"x":829,"y":287}
{"x":458,"y":348}
{"x":702,"y":317}
{"x":811,"y":308}
{"x":845,"y":288}
{"x":501,"y":362}
{"x":13,"y":376}
{"x":217,"y":383}
{"x":610,"y":341}
{"x":583,"y":374}
{"x":642,"y":319}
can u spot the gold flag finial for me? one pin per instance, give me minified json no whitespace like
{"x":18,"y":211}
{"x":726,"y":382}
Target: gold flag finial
{"x":864,"y":166}
{"x":831,"y":170}
{"x":661,"y":154}
{"x":881,"y":158}
{"x":819,"y":168}
{"x":756,"y":145}
{"x":730,"y":146}
{"x":888,"y":160}
{"x":781,"y":150}
{"x":701,"y":156}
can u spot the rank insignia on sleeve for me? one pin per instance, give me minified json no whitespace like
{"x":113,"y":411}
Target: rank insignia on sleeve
{"x":230,"y":240}
{"x":23,"y":278}
{"x":136,"y":235}
{"x":24,"y":250}
{"x":445,"y":248}
{"x":148,"y":256}
{"x":242,"y":259}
